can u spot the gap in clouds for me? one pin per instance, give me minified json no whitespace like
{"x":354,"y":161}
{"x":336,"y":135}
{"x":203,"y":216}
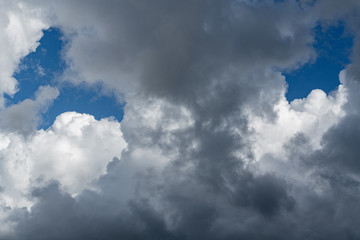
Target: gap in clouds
{"x":43,"y":67}
{"x":333,"y":48}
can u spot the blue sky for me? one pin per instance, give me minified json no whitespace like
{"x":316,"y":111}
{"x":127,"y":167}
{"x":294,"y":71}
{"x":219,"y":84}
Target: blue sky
{"x":43,"y":67}
{"x":333,"y":48}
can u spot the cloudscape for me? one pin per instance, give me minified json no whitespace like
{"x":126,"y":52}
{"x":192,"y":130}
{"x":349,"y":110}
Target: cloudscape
{"x":179,"y":119}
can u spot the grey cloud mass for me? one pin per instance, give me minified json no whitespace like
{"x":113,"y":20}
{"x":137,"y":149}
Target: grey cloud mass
{"x":23,"y":117}
{"x":193,"y":75}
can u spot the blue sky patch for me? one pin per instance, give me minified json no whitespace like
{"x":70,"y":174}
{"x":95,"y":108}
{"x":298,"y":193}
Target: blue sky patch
{"x":43,"y":67}
{"x":333,"y":47}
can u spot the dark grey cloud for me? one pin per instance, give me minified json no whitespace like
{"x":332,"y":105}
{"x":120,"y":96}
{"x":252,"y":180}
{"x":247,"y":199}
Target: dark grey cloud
{"x":58,"y":216}
{"x":177,"y":49}
{"x":340,"y":151}
{"x":257,"y":209}
{"x":190,"y":207}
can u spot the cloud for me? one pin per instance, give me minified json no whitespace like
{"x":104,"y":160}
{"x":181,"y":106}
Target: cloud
{"x":24,"y":117}
{"x":310,"y":117}
{"x":209,"y":148}
{"x":74,"y":151}
{"x":176,"y":50}
{"x":21,"y":28}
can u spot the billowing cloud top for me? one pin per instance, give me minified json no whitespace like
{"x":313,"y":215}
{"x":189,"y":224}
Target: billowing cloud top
{"x":209,"y":147}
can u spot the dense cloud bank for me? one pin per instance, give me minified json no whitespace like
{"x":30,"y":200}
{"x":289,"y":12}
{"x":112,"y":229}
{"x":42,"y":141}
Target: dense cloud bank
{"x":209,"y":148}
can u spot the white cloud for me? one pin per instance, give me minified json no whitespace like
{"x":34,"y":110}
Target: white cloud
{"x":311,"y":116}
{"x":78,"y":148}
{"x":74,"y":151}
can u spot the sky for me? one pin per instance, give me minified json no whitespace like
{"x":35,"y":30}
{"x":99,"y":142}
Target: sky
{"x":234,"y":119}
{"x":332,"y":45}
{"x":44,"y":66}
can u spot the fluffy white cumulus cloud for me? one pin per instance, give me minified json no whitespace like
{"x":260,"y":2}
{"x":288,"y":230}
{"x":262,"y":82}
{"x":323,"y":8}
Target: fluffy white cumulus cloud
{"x":78,"y":149}
{"x":311,"y":116}
{"x":74,"y":151}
